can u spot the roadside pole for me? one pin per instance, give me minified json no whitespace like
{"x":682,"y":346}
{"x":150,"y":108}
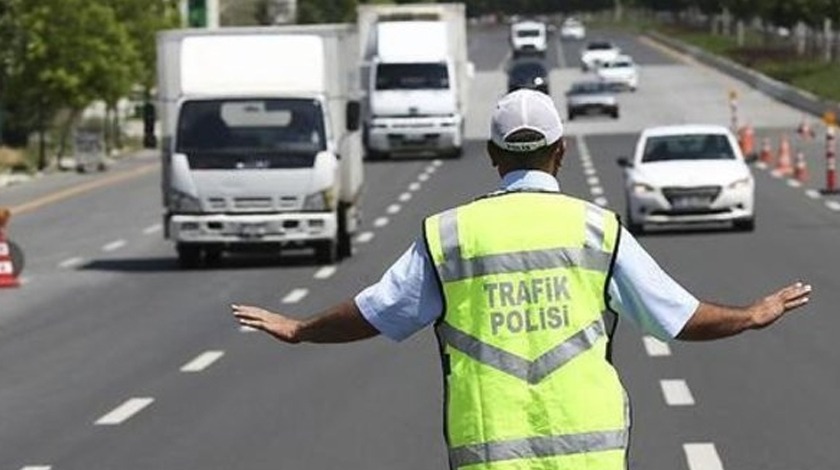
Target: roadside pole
{"x":830,"y":153}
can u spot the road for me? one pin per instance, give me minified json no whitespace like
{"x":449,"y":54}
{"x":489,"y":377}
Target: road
{"x":113,"y":358}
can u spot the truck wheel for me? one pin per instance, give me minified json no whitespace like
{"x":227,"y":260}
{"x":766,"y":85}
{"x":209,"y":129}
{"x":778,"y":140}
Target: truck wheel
{"x":326,"y":252}
{"x":455,"y":153}
{"x":345,"y":238}
{"x":614,"y":114}
{"x":212,"y":255}
{"x":189,"y":255}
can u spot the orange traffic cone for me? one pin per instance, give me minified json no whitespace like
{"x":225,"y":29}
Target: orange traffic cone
{"x":800,"y":169}
{"x":766,"y":154}
{"x":804,"y":130}
{"x":7,"y":269}
{"x":783,"y":163}
{"x":746,"y":139}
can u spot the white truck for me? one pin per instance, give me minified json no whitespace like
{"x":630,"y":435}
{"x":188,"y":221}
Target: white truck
{"x":260,"y":146}
{"x":416,"y":74}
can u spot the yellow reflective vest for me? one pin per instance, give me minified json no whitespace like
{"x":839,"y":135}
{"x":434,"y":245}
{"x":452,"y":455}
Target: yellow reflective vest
{"x":523,"y":335}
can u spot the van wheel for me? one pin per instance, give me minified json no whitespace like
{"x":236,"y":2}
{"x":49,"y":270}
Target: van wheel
{"x":326,"y":252}
{"x":189,"y":255}
{"x":345,"y":238}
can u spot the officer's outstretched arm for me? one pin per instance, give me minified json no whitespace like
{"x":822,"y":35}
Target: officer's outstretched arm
{"x":341,"y":323}
{"x":712,"y":321}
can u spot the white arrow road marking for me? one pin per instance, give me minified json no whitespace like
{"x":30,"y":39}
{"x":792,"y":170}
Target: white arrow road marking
{"x":202,"y":361}
{"x":125,"y":411}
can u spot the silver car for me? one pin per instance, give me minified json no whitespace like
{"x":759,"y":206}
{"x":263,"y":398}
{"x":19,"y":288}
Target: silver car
{"x":591,"y":97}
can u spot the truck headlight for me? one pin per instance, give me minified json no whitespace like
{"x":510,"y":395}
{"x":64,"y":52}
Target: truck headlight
{"x":320,"y":202}
{"x":184,"y":203}
{"x":642,"y":188}
{"x":741,"y":183}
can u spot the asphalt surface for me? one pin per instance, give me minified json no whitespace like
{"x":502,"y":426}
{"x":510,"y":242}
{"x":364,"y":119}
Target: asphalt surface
{"x":113,"y":358}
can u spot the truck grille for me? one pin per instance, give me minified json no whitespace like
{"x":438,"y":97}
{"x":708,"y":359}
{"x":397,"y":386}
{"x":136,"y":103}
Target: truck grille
{"x":252,"y":203}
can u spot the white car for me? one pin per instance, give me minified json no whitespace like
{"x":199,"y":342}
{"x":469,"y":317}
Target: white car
{"x":687,"y":174}
{"x":620,"y":72}
{"x":596,"y":53}
{"x":572,"y":29}
{"x":528,"y":37}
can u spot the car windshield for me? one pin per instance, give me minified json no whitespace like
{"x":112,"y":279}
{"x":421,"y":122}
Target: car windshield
{"x":418,"y":76}
{"x":276,"y":133}
{"x":599,"y":46}
{"x":526,"y":71}
{"x":687,"y":147}
{"x":618,"y":65}
{"x":588,"y":88}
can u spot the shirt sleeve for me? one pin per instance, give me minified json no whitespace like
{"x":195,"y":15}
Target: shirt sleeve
{"x":406,"y":299}
{"x":643,"y":291}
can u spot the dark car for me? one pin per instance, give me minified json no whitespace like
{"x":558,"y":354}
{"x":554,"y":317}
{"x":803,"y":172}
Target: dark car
{"x":591,"y":97}
{"x":528,"y":74}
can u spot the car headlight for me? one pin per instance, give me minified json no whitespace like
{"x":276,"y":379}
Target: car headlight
{"x":642,"y":188}
{"x":740,"y":183}
{"x":320,"y":201}
{"x":538,"y":81}
{"x":183,"y":202}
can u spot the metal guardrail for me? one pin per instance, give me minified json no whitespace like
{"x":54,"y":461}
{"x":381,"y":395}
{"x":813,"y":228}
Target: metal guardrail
{"x":783,"y":92}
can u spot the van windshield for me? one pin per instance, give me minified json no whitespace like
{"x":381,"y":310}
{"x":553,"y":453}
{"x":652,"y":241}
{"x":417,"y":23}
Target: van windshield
{"x":528,"y":33}
{"x":251,"y":133}
{"x":428,"y":76}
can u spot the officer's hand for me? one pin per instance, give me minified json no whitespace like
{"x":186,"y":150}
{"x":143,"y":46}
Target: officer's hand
{"x":774,"y":306}
{"x":283,"y":328}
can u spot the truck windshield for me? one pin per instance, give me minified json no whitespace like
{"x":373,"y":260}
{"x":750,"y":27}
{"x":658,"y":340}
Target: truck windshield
{"x":251,"y":133}
{"x":429,"y":76}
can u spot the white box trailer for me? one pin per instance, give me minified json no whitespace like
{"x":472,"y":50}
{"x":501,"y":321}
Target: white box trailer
{"x":416,"y":73}
{"x":260,"y":144}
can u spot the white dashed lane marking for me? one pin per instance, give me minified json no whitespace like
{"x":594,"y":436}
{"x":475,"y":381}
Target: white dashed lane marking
{"x":37,"y":467}
{"x":405,"y":197}
{"x":114,"y":245}
{"x":152,"y":229}
{"x":833,"y":205}
{"x":365,"y":237}
{"x":656,"y":348}
{"x":295,"y":296}
{"x":380,"y":222}
{"x":125,"y":411}
{"x":702,"y":456}
{"x":415,"y":186}
{"x":325,"y":272}
{"x":71,"y":262}
{"x":676,"y":392}
{"x":393,"y":208}
{"x":203,"y":361}
{"x":423,"y":177}
{"x":813,"y":194}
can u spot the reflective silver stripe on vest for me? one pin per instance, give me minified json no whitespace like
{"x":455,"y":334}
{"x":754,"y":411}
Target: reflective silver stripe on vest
{"x":594,"y":227}
{"x":544,"y":446}
{"x":530,"y":371}
{"x":454,"y":268}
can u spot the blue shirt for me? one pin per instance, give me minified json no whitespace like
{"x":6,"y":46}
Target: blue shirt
{"x":408,"y":296}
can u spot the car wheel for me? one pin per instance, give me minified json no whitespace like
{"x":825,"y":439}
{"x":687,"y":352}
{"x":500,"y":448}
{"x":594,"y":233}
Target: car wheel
{"x":614,"y":114}
{"x":189,"y":255}
{"x":745,"y":225}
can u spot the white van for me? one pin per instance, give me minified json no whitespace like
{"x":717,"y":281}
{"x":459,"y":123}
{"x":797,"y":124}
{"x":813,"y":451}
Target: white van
{"x":528,"y":37}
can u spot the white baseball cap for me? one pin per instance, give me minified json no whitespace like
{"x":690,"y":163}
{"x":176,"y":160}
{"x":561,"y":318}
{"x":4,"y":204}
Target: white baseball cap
{"x":525,"y":109}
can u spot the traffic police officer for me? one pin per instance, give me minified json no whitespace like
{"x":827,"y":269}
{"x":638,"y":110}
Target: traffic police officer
{"x":522,"y":284}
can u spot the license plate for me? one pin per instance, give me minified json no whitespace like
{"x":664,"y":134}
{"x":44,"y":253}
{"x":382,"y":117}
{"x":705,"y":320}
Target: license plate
{"x":254,"y":230}
{"x":691,"y":202}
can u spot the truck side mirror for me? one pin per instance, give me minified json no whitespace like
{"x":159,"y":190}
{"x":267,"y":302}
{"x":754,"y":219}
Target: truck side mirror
{"x":353,"y":114}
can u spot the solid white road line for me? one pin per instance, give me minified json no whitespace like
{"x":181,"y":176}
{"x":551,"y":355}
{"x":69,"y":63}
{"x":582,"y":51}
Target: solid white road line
{"x":202,"y":361}
{"x":37,"y":467}
{"x":415,"y":186}
{"x":405,"y":197}
{"x":676,"y":392}
{"x":295,"y":296}
{"x":114,"y":245}
{"x":71,"y":262}
{"x":152,"y":229}
{"x":125,"y":411}
{"x":325,"y":272}
{"x":393,"y":208}
{"x":702,"y":456}
{"x":380,"y":222}
{"x":365,"y":237}
{"x":656,"y":348}
{"x":833,"y":205}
